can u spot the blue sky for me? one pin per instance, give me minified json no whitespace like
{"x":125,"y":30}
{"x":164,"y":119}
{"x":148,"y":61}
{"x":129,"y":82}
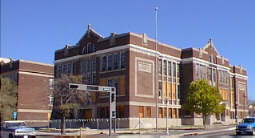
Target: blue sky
{"x":34,"y":29}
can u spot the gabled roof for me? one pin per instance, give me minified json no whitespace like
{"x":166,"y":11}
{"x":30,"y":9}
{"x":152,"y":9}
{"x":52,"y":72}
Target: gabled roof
{"x":210,"y":44}
{"x":91,"y":31}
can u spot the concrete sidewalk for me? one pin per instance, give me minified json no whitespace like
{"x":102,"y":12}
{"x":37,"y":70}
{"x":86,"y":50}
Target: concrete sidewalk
{"x":177,"y":131}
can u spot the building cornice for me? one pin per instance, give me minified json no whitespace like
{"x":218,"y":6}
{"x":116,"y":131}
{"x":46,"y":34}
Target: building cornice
{"x":132,"y":47}
{"x":239,"y":76}
{"x":159,"y":43}
{"x":35,"y":74}
{"x":34,"y":62}
{"x":197,"y":60}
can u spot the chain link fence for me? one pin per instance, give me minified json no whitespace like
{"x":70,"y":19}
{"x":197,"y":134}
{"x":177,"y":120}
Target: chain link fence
{"x":89,"y":123}
{"x":128,"y":123}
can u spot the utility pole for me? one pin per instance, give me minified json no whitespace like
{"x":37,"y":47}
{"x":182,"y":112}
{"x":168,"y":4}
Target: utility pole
{"x":156,"y":64}
{"x":1,"y":28}
{"x":167,"y":132}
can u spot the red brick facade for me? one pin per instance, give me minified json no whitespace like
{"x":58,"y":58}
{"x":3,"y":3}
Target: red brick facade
{"x":33,"y":81}
{"x":128,"y":62}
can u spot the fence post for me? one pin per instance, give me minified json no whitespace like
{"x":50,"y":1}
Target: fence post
{"x":59,"y":123}
{"x":118,"y":123}
{"x":97,"y":123}
{"x":80,"y":132}
{"x":83,"y":123}
{"x":139,"y":124}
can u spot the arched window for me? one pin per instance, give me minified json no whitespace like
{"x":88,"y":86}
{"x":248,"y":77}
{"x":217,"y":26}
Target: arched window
{"x":89,"y":48}
{"x":84,"y":51}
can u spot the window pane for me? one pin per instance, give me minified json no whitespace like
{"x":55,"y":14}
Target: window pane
{"x":110,"y":62}
{"x":103,"y":64}
{"x":116,"y":61}
{"x":165,"y":67}
{"x":69,"y":68}
{"x":174,"y":69}
{"x":60,"y":69}
{"x":122,"y":60}
{"x":94,"y":65}
{"x":64,"y":68}
{"x":178,"y":70}
{"x":148,"y":111}
{"x":109,"y":83}
{"x":169,"y":69}
{"x":141,"y":111}
{"x":160,"y":66}
{"x":116,"y":85}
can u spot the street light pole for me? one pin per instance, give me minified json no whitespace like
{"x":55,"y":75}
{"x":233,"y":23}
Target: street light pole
{"x":167,"y":132}
{"x":156,"y":64}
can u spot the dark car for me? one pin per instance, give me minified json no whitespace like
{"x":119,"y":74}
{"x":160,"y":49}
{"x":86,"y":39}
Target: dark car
{"x":13,"y":129}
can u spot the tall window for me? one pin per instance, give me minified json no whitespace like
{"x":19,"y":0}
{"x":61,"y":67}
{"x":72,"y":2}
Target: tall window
{"x":201,"y":71}
{"x":141,"y":111}
{"x":103,"y":63}
{"x":174,"y":69}
{"x":178,"y":70}
{"x":51,"y":100}
{"x":110,"y":62}
{"x":84,"y":51}
{"x":116,"y":85}
{"x":122,"y":60}
{"x":160,"y":115}
{"x":214,"y":75}
{"x":83,"y":66}
{"x":90,"y":47}
{"x":116,"y":61}
{"x":89,"y":65}
{"x":94,"y":65}
{"x":160,"y":66}
{"x":165,"y":67}
{"x":64,"y":68}
{"x":121,"y":111}
{"x":160,"y":89}
{"x":69,"y":68}
{"x":51,"y":83}
{"x":197,"y":70}
{"x":109,"y":82}
{"x":60,"y":69}
{"x":94,"y":78}
{"x":148,"y":111}
{"x":169,"y":69}
{"x":209,"y":74}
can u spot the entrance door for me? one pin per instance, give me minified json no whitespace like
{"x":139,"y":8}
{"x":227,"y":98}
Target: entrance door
{"x":88,"y":113}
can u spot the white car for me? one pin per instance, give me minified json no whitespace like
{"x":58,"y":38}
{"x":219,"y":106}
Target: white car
{"x":15,"y":129}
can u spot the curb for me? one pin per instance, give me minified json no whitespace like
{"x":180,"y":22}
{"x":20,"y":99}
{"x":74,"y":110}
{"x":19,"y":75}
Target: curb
{"x":207,"y":132}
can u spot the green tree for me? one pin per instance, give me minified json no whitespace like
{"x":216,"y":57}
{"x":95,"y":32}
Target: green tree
{"x":203,"y":98}
{"x":8,"y":98}
{"x":66,"y":100}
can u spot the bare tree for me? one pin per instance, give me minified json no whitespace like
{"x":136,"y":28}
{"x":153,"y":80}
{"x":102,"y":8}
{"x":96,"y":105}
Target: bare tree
{"x":8,"y":98}
{"x":66,"y":100}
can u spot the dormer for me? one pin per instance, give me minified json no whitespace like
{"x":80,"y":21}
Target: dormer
{"x":88,"y":42}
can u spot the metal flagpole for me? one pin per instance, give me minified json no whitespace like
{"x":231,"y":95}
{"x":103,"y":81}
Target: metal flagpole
{"x":156,"y":64}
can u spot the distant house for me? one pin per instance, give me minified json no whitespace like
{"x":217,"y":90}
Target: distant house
{"x":251,"y":110}
{"x":33,"y":80}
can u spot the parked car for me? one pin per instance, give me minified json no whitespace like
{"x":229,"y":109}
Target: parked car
{"x":247,"y":126}
{"x":15,"y":129}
